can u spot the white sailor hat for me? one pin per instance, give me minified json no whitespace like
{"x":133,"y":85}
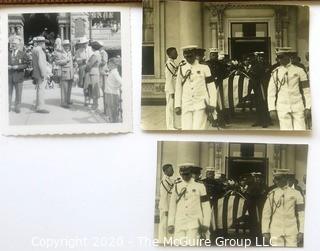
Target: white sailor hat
{"x":213,"y":50}
{"x":256,"y":53}
{"x":256,"y":173}
{"x":39,"y":39}
{"x":189,"y":47}
{"x":210,"y":169}
{"x":281,"y":171}
{"x":82,"y":40}
{"x":283,"y":50}
{"x":186,"y":164}
{"x":186,"y":168}
{"x":66,"y":42}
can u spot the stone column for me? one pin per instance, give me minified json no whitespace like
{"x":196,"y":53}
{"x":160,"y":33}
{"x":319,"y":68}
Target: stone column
{"x":188,"y":152}
{"x":61,"y":29}
{"x":291,"y":158}
{"x":214,"y":34}
{"x":67,"y":32}
{"x":285,"y":32}
{"x":190,"y":23}
{"x":283,"y":156}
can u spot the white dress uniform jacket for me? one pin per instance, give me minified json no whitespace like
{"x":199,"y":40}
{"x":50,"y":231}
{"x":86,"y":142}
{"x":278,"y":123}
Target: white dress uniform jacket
{"x":192,"y":93}
{"x":166,"y":186}
{"x":289,"y":95}
{"x":188,"y":208}
{"x":171,"y":76}
{"x":283,"y":215}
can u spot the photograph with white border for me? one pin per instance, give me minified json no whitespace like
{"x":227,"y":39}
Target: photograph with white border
{"x":68,"y":70}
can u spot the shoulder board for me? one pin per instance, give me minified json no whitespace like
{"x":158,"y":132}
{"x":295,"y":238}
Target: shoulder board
{"x":182,"y":63}
{"x":275,"y":69}
{"x":178,"y":180}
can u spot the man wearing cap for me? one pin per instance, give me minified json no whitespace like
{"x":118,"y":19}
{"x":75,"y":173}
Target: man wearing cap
{"x":17,"y":63}
{"x":283,"y":214}
{"x":195,"y":95}
{"x":40,"y":72}
{"x":171,"y":76}
{"x":189,"y":211}
{"x":289,"y":97}
{"x":166,"y":186}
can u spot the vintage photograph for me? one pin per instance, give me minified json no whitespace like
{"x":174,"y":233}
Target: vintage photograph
{"x":68,"y":68}
{"x":230,"y":194}
{"x":231,"y":66}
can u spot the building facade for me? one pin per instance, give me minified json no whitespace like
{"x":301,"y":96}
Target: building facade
{"x":235,"y":29}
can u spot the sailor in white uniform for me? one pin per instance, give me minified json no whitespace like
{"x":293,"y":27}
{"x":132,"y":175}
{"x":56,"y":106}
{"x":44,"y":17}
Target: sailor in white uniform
{"x":195,"y":94}
{"x":189,"y":211}
{"x":289,"y":97}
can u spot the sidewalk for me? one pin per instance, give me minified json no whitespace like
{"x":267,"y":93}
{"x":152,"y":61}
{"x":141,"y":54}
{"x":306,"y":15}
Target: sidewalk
{"x":77,"y":113}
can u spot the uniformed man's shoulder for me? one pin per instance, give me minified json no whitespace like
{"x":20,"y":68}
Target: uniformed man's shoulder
{"x":276,"y":69}
{"x":177,"y":181}
{"x":272,"y":191}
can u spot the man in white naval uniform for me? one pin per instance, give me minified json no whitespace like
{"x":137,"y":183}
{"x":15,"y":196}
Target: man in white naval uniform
{"x":171,"y":76}
{"x":283,"y":214}
{"x":166,"y":186}
{"x":189,"y":211}
{"x":195,"y":94}
{"x":289,"y":93}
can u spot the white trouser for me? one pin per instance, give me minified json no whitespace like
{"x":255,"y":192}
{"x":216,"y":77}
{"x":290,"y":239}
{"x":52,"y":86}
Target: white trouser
{"x":284,"y":241}
{"x":291,"y":120}
{"x":194,"y":120}
{"x":169,"y":111}
{"x":186,"y":236}
{"x":40,"y":93}
{"x":163,"y":227}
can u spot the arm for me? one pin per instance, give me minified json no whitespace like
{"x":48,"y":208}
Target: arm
{"x":266,"y":217}
{"x":169,"y":79}
{"x":272,"y":90}
{"x":172,"y":208}
{"x":42,"y":63}
{"x":211,"y":87}
{"x":305,"y":86}
{"x":300,"y":211}
{"x":178,"y":90}
{"x":163,"y":202}
{"x":92,"y":60}
{"x":205,"y":205}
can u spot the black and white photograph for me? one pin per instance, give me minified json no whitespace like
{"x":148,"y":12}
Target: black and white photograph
{"x":230,"y":194}
{"x":228,"y":66}
{"x":66,"y":68}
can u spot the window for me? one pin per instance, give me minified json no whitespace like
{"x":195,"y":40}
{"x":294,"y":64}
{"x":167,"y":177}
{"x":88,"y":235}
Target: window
{"x":148,"y":60}
{"x":249,"y":29}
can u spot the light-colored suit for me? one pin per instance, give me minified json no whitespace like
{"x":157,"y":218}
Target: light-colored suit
{"x":40,"y":73}
{"x":171,"y":76}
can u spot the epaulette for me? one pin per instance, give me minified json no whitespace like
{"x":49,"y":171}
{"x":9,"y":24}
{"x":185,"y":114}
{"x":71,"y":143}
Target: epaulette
{"x":182,"y":63}
{"x":178,"y":180}
{"x":277,"y":68}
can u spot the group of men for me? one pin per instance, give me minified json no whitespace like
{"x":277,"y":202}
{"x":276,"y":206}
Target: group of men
{"x":279,"y":92}
{"x":86,"y":65}
{"x":193,"y":209}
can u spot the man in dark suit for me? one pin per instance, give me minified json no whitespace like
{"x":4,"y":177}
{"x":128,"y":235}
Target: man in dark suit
{"x":40,"y":72}
{"x":17,"y":62}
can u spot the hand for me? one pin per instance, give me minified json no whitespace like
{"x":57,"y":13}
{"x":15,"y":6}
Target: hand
{"x":300,"y":237}
{"x":273,"y":115}
{"x":267,"y":237}
{"x":171,"y":229}
{"x":166,"y":213}
{"x":307,"y":113}
{"x":178,"y":110}
{"x":210,"y":108}
{"x":203,"y":229}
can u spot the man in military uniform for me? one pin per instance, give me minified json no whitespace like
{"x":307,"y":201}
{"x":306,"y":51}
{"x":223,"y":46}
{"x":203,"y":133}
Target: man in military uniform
{"x":195,"y":95}
{"x":17,"y":63}
{"x":289,"y":98}
{"x":166,"y":186}
{"x":283,"y":214}
{"x":189,"y":211}
{"x":40,"y":72}
{"x":171,"y":75}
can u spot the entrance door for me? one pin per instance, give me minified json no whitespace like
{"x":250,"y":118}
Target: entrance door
{"x":240,"y":166}
{"x":248,"y":37}
{"x":240,"y":47}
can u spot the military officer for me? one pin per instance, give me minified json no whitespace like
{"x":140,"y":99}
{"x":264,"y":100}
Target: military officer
{"x":166,"y":186}
{"x":171,"y":76}
{"x":195,"y":95}
{"x":17,"y":63}
{"x":40,"y":72}
{"x":283,"y":213}
{"x":289,"y":93}
{"x":189,"y":211}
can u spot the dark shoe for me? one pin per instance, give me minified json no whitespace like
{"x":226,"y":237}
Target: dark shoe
{"x":17,"y":110}
{"x":42,"y":111}
{"x":70,"y":103}
{"x":65,"y":106}
{"x":256,"y":125}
